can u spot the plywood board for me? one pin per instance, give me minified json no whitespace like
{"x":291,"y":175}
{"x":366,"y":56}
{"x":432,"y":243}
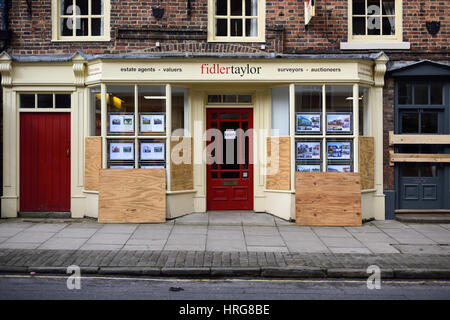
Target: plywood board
{"x":328,"y":199}
{"x":132,"y":196}
{"x":418,"y":138}
{"x":418,"y":157}
{"x":181,"y":168}
{"x":92,"y":162}
{"x":279,"y":167}
{"x":367,"y":162}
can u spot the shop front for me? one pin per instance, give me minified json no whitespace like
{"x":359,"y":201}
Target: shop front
{"x":117,"y":136}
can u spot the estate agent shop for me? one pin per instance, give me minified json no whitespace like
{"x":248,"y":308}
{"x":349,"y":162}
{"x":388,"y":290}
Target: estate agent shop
{"x":142,"y":138}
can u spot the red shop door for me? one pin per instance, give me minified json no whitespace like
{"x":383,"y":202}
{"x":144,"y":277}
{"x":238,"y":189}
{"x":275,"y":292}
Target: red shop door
{"x":45,"y":162}
{"x":230,"y":159}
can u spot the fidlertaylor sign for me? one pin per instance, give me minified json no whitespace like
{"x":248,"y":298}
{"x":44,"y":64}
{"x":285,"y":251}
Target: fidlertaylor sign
{"x":263,"y":70}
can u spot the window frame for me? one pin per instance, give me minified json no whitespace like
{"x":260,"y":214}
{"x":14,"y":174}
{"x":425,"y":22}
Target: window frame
{"x":397,"y":37}
{"x":261,"y":17}
{"x":56,"y":27}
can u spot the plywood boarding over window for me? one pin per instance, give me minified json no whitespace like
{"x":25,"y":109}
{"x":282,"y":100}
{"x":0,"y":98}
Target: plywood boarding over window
{"x":367,"y":162}
{"x":181,"y":174}
{"x":92,"y":162}
{"x":279,"y":155}
{"x":328,"y":199}
{"x":132,"y":196}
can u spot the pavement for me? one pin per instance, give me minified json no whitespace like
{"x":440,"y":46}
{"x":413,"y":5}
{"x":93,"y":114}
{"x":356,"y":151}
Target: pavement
{"x":226,"y":244}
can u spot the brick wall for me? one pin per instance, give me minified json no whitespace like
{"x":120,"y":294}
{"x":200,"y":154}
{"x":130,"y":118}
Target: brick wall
{"x":132,"y":26}
{"x":388,"y":118}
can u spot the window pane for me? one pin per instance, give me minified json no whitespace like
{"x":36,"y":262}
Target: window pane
{"x":251,"y":7}
{"x":236,"y":7}
{"x":308,"y":98}
{"x":62,"y":101}
{"x":221,"y":7}
{"x":364,"y":114}
{"x":147,"y":103}
{"x":120,"y":99}
{"x":339,"y":98}
{"x":97,"y":7}
{"x":280,"y":111}
{"x":45,"y":100}
{"x":247,"y":98}
{"x":229,"y":98}
{"x":95,"y":112}
{"x":251,"y":27}
{"x":236,"y":27}
{"x":373,"y":7}
{"x":97,"y":26}
{"x":214,"y":98}
{"x":411,"y":170}
{"x":82,"y":27}
{"x":388,"y":7}
{"x":82,"y":7}
{"x":359,"y":7}
{"x":359,"y":26}
{"x":373,"y":26}
{"x":410,"y":122}
{"x":421,"y":94}
{"x":221,"y":27}
{"x":436,"y":93}
{"x":429,"y":122}
{"x":404,"y":93}
{"x":66,"y":7}
{"x":66,"y":27}
{"x":27,"y":100}
{"x":429,"y":171}
{"x":389,"y":26}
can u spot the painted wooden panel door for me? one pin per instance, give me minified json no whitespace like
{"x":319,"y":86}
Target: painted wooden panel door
{"x":230,"y":159}
{"x":45,"y":162}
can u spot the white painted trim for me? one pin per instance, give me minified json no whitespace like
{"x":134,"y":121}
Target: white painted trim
{"x":375,"y":45}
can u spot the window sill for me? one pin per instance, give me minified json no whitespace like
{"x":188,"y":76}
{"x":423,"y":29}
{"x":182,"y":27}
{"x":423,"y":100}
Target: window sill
{"x":375,"y":45}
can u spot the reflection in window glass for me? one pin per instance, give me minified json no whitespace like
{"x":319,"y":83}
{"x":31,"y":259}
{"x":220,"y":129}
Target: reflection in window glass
{"x":236,"y":7}
{"x":120,"y":99}
{"x":214,"y":98}
{"x":359,"y":26}
{"x":236,"y":27}
{"x":149,"y":99}
{"x":221,"y":27}
{"x":95,"y":111}
{"x":246,"y":98}
{"x":410,"y":122}
{"x":430,"y":171}
{"x":229,"y":98}
{"x":62,"y":101}
{"x":280,"y":111}
{"x":411,"y":170}
{"x":180,"y":109}
{"x":339,"y":98}
{"x":364,"y":120}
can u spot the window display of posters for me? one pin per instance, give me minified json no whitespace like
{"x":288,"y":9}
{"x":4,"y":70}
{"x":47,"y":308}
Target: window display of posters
{"x":152,"y":151}
{"x":339,"y":123}
{"x":339,"y":150}
{"x":121,"y":151}
{"x":308,"y":122}
{"x":308,"y":168}
{"x":152,"y":122}
{"x":121,"y":167}
{"x":339,"y":168}
{"x":121,"y":123}
{"x":308,"y":150}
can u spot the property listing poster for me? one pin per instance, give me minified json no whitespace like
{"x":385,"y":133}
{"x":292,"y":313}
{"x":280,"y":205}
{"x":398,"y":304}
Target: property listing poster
{"x":121,"y":151}
{"x":152,"y":122}
{"x":152,"y":151}
{"x":121,"y":123}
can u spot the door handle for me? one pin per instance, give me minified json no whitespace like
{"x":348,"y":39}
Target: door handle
{"x":68,"y":152}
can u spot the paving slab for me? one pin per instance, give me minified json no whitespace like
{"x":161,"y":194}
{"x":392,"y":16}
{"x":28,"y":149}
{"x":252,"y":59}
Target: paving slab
{"x":264,"y":240}
{"x":380,"y":247}
{"x":19,"y":245}
{"x":76,"y":233}
{"x":341,"y":242}
{"x":9,"y":232}
{"x":63,"y":244}
{"x":229,"y":245}
{"x":193,"y":219}
{"x":350,"y":250}
{"x":257,"y":219}
{"x":189,"y":229}
{"x":109,"y":238}
{"x":89,"y":246}
{"x":150,"y":234}
{"x":267,"y":249}
{"x":31,"y":237}
{"x":260,"y":231}
{"x":423,"y":249}
{"x":47,"y":227}
{"x":118,"y":228}
{"x":332,"y":232}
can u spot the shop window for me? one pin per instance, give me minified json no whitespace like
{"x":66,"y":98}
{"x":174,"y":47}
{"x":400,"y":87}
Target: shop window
{"x":364,"y":123}
{"x":95,"y":112}
{"x":375,"y":20}
{"x":180,"y":111}
{"x":280,"y":111}
{"x":84,"y":20}
{"x":152,"y":110}
{"x":236,"y":20}
{"x":420,"y":121}
{"x":324,"y":133}
{"x":120,"y":108}
{"x":45,"y":101}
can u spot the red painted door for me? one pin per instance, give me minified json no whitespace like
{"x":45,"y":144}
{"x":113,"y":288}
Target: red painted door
{"x":45,"y":162}
{"x":230,"y":159}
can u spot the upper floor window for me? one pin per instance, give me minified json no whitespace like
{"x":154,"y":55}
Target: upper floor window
{"x":80,"y":20}
{"x":372,"y":20}
{"x":236,"y":20}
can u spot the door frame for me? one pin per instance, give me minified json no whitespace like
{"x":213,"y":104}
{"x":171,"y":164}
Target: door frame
{"x":230,"y":107}
{"x":445,"y":107}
